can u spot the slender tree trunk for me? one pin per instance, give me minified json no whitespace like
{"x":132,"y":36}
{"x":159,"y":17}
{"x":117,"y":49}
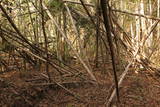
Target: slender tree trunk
{"x":105,"y":11}
{"x":31,"y":19}
{"x":46,"y":41}
{"x":158,"y":15}
{"x":122,"y":17}
{"x":150,"y":39}
{"x":98,"y":13}
{"x":65,"y":32}
{"x":137,"y":20}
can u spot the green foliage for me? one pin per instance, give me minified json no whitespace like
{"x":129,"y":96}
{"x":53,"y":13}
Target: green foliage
{"x":6,"y":47}
{"x":82,"y":22}
{"x":55,"y":6}
{"x":134,"y":1}
{"x":70,"y":105}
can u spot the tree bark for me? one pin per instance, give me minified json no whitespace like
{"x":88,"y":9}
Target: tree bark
{"x":107,"y":24}
{"x":46,"y":41}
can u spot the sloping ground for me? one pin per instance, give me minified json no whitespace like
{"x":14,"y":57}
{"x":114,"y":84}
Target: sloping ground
{"x":21,"y":90}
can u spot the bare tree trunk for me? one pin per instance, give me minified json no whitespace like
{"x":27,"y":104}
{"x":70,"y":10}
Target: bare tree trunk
{"x":98,"y":14}
{"x":158,"y":15}
{"x":65,"y":32}
{"x":69,"y":43}
{"x":137,"y":29}
{"x":31,"y":19}
{"x":107,"y":24}
{"x":122,"y":17}
{"x":46,"y":41}
{"x":150,"y":38}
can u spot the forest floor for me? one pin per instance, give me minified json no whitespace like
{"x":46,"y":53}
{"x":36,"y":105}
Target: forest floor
{"x":30,"y":89}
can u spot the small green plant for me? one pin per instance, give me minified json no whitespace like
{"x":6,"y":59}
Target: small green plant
{"x":55,"y":6}
{"x":70,"y":105}
{"x":6,"y":47}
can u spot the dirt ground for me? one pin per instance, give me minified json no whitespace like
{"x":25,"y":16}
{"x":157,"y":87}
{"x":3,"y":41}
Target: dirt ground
{"x":28,"y":89}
